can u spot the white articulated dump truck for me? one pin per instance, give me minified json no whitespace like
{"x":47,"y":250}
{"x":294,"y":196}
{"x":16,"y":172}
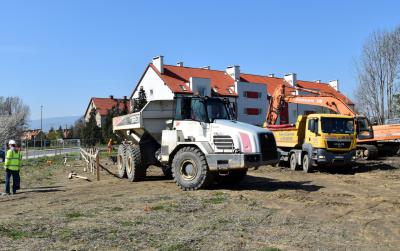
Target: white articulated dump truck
{"x":193,"y":139}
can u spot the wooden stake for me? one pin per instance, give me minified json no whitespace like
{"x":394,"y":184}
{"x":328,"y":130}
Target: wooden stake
{"x":97,"y":166}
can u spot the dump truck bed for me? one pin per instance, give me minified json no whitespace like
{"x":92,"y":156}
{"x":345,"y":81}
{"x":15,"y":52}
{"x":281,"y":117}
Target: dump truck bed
{"x":291,"y":136}
{"x":287,"y":137}
{"x":152,"y":119}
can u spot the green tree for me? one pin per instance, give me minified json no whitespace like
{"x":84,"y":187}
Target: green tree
{"x":60,"y":132}
{"x":125,"y":107}
{"x":141,"y":101}
{"x":78,"y":128}
{"x":91,"y":133}
{"x":107,"y":130}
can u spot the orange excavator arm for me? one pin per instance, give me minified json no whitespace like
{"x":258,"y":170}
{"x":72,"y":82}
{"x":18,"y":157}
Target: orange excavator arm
{"x":283,"y":95}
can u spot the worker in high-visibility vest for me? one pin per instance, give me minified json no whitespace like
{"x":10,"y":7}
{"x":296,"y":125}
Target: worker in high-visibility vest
{"x":12,"y":165}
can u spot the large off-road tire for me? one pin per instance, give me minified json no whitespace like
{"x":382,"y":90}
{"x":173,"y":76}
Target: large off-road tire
{"x":190,"y":169}
{"x":293,"y":162}
{"x":232,"y":178}
{"x":121,"y":161}
{"x":307,"y":164}
{"x":135,"y":170}
{"x":367,"y":152}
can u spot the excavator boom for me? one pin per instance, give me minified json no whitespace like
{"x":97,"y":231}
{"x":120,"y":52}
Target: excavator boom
{"x":367,"y":135}
{"x":283,"y":95}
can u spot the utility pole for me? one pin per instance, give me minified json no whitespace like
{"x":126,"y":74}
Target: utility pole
{"x":41,"y":126}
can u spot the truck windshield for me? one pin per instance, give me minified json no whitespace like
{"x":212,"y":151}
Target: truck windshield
{"x":337,"y":125}
{"x":216,"y":109}
{"x":199,"y":109}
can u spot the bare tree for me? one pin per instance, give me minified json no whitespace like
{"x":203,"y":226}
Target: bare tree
{"x":13,"y":116}
{"x":378,"y":74}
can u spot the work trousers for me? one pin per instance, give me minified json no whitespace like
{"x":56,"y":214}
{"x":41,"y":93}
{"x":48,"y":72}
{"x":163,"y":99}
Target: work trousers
{"x":16,"y":180}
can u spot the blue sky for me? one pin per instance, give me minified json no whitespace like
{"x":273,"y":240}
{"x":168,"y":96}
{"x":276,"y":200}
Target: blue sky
{"x":60,"y":53}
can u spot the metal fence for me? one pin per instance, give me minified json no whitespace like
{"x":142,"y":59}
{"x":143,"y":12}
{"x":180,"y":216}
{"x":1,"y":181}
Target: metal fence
{"x":32,"y":149}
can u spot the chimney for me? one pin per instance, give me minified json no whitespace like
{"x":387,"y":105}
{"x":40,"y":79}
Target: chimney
{"x":291,"y":78}
{"x":206,"y":67}
{"x":271,"y":75}
{"x":334,"y":84}
{"x":180,"y":64}
{"x":233,"y":71}
{"x":125,"y":97}
{"x":158,"y":62}
{"x":111,"y":97}
{"x":318,"y":81}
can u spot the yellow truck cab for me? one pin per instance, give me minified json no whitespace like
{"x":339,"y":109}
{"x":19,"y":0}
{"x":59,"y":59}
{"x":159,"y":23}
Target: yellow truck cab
{"x":317,"y":139}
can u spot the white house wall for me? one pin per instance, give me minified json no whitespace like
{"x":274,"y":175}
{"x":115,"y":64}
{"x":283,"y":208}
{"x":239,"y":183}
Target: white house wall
{"x":154,"y":87}
{"x":99,"y":120}
{"x":87,"y":115}
{"x":244,"y":102}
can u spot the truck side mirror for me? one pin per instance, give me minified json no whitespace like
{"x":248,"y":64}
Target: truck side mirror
{"x":169,"y":123}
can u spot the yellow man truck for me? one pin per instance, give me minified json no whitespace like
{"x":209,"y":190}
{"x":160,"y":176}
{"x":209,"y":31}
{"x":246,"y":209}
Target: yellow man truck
{"x":315,"y":140}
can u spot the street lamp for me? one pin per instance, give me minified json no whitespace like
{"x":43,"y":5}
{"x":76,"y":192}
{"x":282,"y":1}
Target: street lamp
{"x":41,"y":126}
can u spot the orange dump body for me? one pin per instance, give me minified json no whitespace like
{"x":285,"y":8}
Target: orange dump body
{"x":385,"y":133}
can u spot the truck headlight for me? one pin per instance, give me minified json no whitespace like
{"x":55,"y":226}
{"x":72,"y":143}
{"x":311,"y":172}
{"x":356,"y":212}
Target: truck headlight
{"x":321,"y":157}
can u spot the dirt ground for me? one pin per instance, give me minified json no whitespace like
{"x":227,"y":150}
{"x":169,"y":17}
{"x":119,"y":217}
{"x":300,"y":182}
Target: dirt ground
{"x":272,"y":209}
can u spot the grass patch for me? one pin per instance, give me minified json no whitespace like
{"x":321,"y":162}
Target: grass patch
{"x":73,"y":215}
{"x":176,"y":247}
{"x":157,"y":207}
{"x":216,"y":198}
{"x":138,"y":221}
{"x":224,"y":221}
{"x":270,"y":249}
{"x":127,"y":223}
{"x":116,"y":209}
{"x":65,"y":234}
{"x":18,"y":234}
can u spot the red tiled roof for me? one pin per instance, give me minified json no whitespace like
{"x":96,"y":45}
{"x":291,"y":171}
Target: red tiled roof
{"x":30,"y":134}
{"x":103,"y":105}
{"x":326,"y":88}
{"x":174,"y":76}
{"x":273,"y":82}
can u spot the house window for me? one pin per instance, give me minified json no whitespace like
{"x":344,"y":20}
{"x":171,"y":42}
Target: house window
{"x":251,"y":94}
{"x":252,"y":111}
{"x":183,"y":88}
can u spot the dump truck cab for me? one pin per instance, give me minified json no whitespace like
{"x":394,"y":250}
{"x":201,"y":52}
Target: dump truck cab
{"x":330,"y":139}
{"x":194,"y":139}
{"x":317,"y":139}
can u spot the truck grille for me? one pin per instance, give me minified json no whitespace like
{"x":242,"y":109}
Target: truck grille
{"x":223,"y":142}
{"x":268,"y":146}
{"x":338,"y":144}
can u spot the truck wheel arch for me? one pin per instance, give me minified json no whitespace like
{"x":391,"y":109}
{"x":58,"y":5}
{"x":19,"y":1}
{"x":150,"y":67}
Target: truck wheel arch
{"x":197,"y":145}
{"x":190,"y":169}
